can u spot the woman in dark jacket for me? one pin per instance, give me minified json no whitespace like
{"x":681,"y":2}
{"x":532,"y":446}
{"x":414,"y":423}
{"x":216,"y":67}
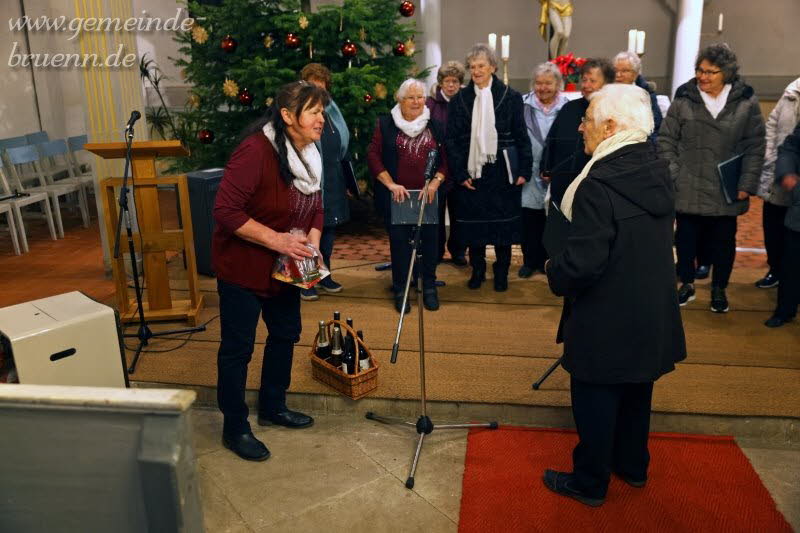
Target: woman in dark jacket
{"x":270,"y":190}
{"x":449,"y":80}
{"x":623,"y":329}
{"x":713,"y":118}
{"x":490,"y":160}
{"x":397,"y":156}
{"x":333,"y":147}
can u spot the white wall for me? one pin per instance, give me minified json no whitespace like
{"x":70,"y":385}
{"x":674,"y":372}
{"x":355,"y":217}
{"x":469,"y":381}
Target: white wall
{"x":17,"y":103}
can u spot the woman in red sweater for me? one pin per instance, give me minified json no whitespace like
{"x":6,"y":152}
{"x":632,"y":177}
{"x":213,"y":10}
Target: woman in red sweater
{"x":271,"y":185}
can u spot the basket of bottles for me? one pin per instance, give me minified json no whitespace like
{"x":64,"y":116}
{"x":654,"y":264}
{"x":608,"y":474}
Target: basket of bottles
{"x":341,"y":359}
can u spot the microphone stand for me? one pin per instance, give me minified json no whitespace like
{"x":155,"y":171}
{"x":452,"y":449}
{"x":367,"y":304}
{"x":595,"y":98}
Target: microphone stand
{"x":144,"y":334}
{"x":423,"y":425}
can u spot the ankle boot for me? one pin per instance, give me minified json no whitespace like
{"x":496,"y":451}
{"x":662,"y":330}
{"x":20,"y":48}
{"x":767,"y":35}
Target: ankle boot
{"x":500,"y":277}
{"x":478,"y":277}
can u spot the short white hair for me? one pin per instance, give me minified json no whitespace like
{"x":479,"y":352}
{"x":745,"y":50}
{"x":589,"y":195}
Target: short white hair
{"x":630,"y":57}
{"x":406,"y":85}
{"x":627,"y":105}
{"x":548,"y":68}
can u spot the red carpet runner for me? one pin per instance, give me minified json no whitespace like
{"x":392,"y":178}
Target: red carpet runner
{"x":696,"y":483}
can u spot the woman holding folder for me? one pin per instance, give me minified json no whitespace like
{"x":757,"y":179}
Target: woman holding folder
{"x":714,"y":118}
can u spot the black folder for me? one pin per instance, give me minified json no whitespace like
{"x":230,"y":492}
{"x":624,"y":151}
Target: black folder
{"x":730,"y":172}
{"x":556,"y":231}
{"x":511,"y":160}
{"x":407,"y":211}
{"x":350,"y":180}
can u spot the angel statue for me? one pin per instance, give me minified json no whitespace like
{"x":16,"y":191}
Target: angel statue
{"x":559,"y":14}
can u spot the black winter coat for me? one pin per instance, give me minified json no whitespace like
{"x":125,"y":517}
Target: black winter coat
{"x":789,"y":163}
{"x":334,"y":189}
{"x":563,"y":157}
{"x":491,"y":213}
{"x":622,"y":324}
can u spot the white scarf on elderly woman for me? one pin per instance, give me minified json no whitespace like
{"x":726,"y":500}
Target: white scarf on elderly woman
{"x":605,"y":148}
{"x":412,"y":128}
{"x":483,"y":135}
{"x":306,"y":166}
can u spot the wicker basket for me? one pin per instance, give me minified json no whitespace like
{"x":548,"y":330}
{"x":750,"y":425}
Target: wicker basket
{"x":354,"y":386}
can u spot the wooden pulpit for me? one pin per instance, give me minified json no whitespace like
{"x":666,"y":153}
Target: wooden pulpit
{"x":152,"y":241}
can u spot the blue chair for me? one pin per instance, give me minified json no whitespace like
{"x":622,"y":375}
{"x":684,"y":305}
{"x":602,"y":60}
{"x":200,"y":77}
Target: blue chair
{"x":16,"y":205}
{"x":75,"y":144}
{"x":29,"y":155}
{"x":37,"y":137}
{"x":56,"y":156}
{"x":13,"y":142}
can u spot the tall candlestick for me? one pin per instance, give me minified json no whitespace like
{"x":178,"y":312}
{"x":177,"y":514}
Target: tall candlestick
{"x":640,"y":42}
{"x":505,"y":70}
{"x":631,"y":40}
{"x":493,"y":41}
{"x":505,"y":40}
{"x":719,"y":24}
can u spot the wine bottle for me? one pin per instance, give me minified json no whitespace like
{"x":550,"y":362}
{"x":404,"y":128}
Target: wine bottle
{"x":336,"y":348}
{"x":323,"y":343}
{"x":363,"y":356}
{"x":337,"y":316}
{"x":349,"y":357}
{"x":351,"y":334}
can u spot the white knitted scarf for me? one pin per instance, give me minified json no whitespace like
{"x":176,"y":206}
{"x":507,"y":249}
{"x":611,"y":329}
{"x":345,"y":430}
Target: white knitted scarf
{"x":306,"y":167}
{"x":605,"y":148}
{"x":412,"y":128}
{"x":483,"y":135}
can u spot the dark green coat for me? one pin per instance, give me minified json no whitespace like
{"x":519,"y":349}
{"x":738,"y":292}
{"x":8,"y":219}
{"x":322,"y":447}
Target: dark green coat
{"x":694,"y":143}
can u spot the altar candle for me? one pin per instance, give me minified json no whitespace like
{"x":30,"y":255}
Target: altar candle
{"x":640,"y":42}
{"x":631,"y":40}
{"x":493,"y":41}
{"x":506,"y":43}
{"x":719,"y":24}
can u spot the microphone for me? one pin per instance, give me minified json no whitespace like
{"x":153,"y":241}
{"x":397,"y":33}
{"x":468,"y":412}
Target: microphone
{"x":430,"y":164}
{"x":135,"y":115}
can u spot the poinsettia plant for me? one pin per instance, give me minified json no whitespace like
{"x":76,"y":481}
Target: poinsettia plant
{"x":569,"y":65}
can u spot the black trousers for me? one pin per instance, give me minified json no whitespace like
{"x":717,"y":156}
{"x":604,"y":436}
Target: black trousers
{"x":719,"y":237}
{"x":772,"y":217}
{"x":326,"y":244}
{"x":400,"y":249}
{"x":613,"y":423}
{"x":789,"y":288}
{"x":533,"y":252}
{"x":455,"y":248}
{"x":239,"y":309}
{"x":477,"y":258}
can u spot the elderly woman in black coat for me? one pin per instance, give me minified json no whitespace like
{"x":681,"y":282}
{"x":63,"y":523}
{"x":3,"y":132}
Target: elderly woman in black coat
{"x":490,"y":158}
{"x":622,"y":329}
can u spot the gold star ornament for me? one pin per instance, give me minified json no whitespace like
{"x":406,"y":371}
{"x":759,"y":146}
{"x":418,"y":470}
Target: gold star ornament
{"x":230,"y":88}
{"x":303,"y":22}
{"x":199,"y":34}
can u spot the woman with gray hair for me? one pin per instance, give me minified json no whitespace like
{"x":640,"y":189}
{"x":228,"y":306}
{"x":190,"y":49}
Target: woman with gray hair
{"x":396,"y":158}
{"x":628,"y":69}
{"x":622,"y":329}
{"x":541,"y":106}
{"x":490,"y":157}
{"x":714,"y":117}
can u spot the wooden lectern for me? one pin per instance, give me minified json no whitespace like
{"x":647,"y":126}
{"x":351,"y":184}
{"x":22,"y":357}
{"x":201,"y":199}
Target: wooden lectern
{"x":152,"y":241}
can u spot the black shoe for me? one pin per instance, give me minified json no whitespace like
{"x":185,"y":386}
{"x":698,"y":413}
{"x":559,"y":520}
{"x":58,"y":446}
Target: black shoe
{"x":430,"y":299}
{"x":561,"y":483}
{"x":525,"y":271}
{"x":632,"y":482}
{"x":477,"y":278}
{"x":460,"y":260}
{"x":328,"y":285}
{"x":702,"y":272}
{"x":686,"y":294}
{"x":719,"y":302}
{"x":500,"y":278}
{"x":398,"y":303}
{"x":440,"y":283}
{"x":768,"y":281}
{"x":383,"y":266}
{"x":287,"y":418}
{"x":776,"y":321}
{"x":246,"y":446}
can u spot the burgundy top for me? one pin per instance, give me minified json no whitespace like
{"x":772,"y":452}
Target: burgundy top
{"x":438,"y":107}
{"x":251,"y":187}
{"x":412,"y":154}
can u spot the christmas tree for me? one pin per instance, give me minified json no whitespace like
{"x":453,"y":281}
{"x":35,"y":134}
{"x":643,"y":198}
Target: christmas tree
{"x":239,"y":53}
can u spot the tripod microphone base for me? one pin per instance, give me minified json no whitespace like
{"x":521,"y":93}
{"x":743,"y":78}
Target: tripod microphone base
{"x":424,"y":426}
{"x":547,"y":373}
{"x":144,"y":335}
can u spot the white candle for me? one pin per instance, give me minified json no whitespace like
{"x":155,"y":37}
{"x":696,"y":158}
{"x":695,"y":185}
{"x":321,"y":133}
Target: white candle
{"x":640,"y":42}
{"x":506,"y":42}
{"x":493,"y":41}
{"x":719,"y":24}
{"x":631,"y":40}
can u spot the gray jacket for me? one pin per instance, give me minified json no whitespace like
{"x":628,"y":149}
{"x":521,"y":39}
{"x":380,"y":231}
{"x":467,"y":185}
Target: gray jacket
{"x":780,"y":123}
{"x":694,"y":143}
{"x":788,"y":162}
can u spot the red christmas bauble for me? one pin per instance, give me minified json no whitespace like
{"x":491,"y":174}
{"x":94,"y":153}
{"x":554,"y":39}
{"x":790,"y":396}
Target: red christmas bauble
{"x":349,"y":49}
{"x":407,"y":8}
{"x":291,"y":40}
{"x":228,"y":44}
{"x":367,"y":98}
{"x":399,"y":49}
{"x":205,"y":136}
{"x":245,"y":98}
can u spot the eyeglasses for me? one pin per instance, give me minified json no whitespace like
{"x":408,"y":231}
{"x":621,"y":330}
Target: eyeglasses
{"x":701,"y":72}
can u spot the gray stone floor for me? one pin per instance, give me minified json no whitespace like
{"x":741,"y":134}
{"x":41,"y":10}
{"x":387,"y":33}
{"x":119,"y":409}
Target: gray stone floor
{"x":348,"y":474}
